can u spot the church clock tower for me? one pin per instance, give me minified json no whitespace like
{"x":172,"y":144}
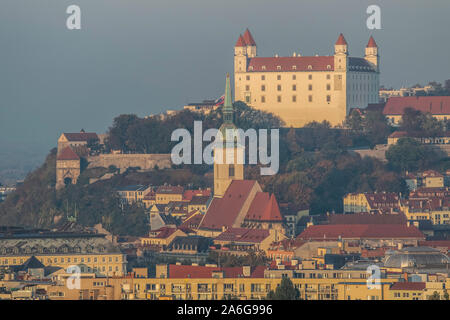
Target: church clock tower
{"x":228,"y":154}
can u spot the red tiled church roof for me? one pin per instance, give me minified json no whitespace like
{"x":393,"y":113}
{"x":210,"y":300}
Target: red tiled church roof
{"x":68,"y":154}
{"x":264,"y":208}
{"x":223,"y":212}
{"x":431,"y":104}
{"x":361,"y":231}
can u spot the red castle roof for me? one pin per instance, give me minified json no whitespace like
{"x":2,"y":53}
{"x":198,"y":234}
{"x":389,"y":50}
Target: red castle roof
{"x":248,"y":38}
{"x":371,"y":43}
{"x":341,"y":40}
{"x":68,"y":154}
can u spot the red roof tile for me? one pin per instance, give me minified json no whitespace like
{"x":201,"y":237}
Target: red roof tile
{"x":367,"y":218}
{"x":361,"y":231}
{"x":264,"y":208}
{"x":248,"y":38}
{"x":371,"y":43}
{"x":68,"y":154}
{"x":418,"y":286}
{"x":243,"y":235}
{"x":431,"y":104}
{"x":398,"y":134}
{"x":223,"y":212}
{"x":321,"y":63}
{"x":341,"y":40}
{"x":80,"y":136}
{"x":240,"y":42}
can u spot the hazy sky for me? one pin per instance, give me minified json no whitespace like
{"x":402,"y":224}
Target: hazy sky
{"x":145,"y":56}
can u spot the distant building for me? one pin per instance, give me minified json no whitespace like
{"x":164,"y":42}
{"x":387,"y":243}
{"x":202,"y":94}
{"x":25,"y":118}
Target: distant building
{"x":437,"y":106}
{"x":68,"y":167}
{"x":382,"y":202}
{"x":133,"y":194}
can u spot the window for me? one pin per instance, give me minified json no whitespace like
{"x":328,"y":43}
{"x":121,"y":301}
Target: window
{"x":294,"y":98}
{"x":328,"y":77}
{"x":263,"y":88}
{"x":263,"y":77}
{"x":263,"y":67}
{"x":294,"y":87}
{"x":278,"y":77}
{"x":279,"y":87}
{"x":310,"y":99}
{"x":328,"y":86}
{"x":231,"y":170}
{"x":310,"y":67}
{"x":310,"y":87}
{"x":247,"y":77}
{"x":328,"y":98}
{"x":294,"y":77}
{"x":263,"y":99}
{"x":279,"y":98}
{"x":247,"y":88}
{"x":278,"y":67}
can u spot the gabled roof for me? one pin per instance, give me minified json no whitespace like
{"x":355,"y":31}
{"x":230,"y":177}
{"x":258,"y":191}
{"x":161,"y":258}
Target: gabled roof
{"x":371,"y":43}
{"x":431,"y":104}
{"x":224,"y":211}
{"x":361,"y":231}
{"x":264,"y":208}
{"x":248,"y":38}
{"x":80,"y":136}
{"x":68,"y":154}
{"x":341,"y":40}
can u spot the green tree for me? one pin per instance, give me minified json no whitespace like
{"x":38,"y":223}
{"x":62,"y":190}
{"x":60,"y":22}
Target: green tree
{"x":435,"y":296}
{"x":285,"y":291}
{"x":408,"y":154}
{"x":354,"y":121}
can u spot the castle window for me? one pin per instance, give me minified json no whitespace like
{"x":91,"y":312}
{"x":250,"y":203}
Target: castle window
{"x":278,"y":67}
{"x":328,"y":67}
{"x":294,"y":98}
{"x":310,"y":99}
{"x":309,"y":87}
{"x":294,"y":77}
{"x":328,"y":86}
{"x":263,"y":77}
{"x":294,"y":68}
{"x":310,"y":77}
{"x":247,"y":88}
{"x":279,"y":87}
{"x":263,"y":67}
{"x":231,"y":170}
{"x":279,"y":98}
{"x":310,"y":67}
{"x":294,"y":87}
{"x":248,"y":77}
{"x":263,"y":99}
{"x":247,"y":99}
{"x":263,"y":88}
{"x":328,"y":77}
{"x":328,"y":98}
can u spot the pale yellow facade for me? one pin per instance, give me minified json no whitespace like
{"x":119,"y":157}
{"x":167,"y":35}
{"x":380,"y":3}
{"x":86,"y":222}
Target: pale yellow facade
{"x":227,"y":169}
{"x":113,"y":264}
{"x":302,"y":96}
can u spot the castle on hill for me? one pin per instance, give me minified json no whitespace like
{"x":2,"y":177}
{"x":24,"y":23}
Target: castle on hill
{"x":300,"y":89}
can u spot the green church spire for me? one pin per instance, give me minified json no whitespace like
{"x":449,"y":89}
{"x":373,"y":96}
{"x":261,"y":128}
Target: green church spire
{"x":228,"y":104}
